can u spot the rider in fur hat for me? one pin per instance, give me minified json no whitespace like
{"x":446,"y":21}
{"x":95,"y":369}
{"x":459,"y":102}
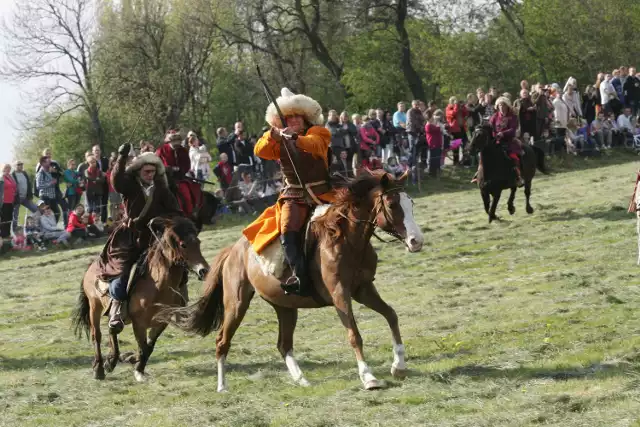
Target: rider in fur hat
{"x":305,"y":134}
{"x":143,"y":185}
{"x":504,"y":123}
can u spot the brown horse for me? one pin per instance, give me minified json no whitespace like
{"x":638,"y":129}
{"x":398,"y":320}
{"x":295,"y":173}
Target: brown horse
{"x":496,"y":171}
{"x":342,"y":267}
{"x":176,"y":250}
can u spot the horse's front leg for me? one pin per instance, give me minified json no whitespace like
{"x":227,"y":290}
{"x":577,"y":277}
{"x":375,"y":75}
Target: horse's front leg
{"x":494,"y":205}
{"x":342,"y":302}
{"x":96,"y":338}
{"x":367,"y":294}
{"x":486,"y":199}
{"x":527,"y":193}
{"x":510,"y":205}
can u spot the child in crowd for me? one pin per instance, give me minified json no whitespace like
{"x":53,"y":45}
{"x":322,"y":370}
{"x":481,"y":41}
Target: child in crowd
{"x":33,"y":235}
{"x":49,"y":228}
{"x":19,"y":240}
{"x":95,"y":183}
{"x":78,"y":223}
{"x":393,"y":167}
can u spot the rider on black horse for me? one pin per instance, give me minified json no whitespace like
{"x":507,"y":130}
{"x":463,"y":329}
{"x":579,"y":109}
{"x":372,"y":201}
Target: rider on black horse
{"x":504,"y":124}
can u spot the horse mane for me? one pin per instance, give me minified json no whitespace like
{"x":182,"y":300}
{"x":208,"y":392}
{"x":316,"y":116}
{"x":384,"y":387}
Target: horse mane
{"x":349,"y":198}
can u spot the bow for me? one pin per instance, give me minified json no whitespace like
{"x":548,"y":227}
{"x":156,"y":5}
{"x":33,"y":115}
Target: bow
{"x":294,"y":157}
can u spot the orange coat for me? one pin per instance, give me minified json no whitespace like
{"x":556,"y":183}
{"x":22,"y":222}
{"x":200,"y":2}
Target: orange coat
{"x":266,"y":228}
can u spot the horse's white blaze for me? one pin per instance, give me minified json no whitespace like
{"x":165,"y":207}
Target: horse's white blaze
{"x":365,"y":372}
{"x":294,"y":369}
{"x":222,"y":382}
{"x":414,"y":238}
{"x":398,"y":357}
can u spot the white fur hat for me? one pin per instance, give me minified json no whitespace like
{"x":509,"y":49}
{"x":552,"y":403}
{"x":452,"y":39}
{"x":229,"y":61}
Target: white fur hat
{"x":291,"y":104}
{"x":503,"y":100}
{"x":148,"y":159}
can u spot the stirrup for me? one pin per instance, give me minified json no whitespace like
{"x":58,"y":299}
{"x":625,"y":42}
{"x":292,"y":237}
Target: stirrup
{"x":292,"y":286}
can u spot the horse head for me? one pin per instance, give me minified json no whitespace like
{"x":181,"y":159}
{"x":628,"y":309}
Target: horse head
{"x":385,"y":197}
{"x":481,"y":138}
{"x":179,"y":244}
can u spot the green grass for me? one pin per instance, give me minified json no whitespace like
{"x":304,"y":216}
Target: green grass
{"x":530,"y":321}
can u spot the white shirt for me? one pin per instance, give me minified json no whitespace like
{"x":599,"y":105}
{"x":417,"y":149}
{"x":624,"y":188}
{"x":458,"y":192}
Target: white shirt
{"x":606,"y":91}
{"x":573,"y":102}
{"x":561,"y":113}
{"x":624,"y":122}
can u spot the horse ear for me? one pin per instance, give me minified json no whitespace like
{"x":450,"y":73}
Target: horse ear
{"x":385,"y":181}
{"x":403,"y":178}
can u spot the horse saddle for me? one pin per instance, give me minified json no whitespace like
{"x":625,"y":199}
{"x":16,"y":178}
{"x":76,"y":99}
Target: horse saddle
{"x":136,"y":272}
{"x":272,"y":260}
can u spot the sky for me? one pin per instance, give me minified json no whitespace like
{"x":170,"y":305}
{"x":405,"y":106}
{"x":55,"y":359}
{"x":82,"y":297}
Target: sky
{"x":10,"y":101}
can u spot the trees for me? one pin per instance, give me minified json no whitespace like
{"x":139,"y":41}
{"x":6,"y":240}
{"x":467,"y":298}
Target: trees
{"x":52,"y":41}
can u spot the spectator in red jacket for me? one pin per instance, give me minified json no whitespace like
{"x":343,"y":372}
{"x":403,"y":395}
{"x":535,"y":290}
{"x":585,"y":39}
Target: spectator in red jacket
{"x":369,"y":138}
{"x":224,"y":171}
{"x":457,"y":121}
{"x":81,"y":224}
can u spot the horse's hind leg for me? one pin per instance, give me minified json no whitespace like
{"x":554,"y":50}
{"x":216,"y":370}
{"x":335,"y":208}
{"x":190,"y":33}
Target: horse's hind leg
{"x":342,"y":302}
{"x":114,"y":355}
{"x":512,"y":196}
{"x":287,"y":318}
{"x":527,"y":193}
{"x":367,"y":294}
{"x":494,"y":206}
{"x":235,"y":307}
{"x":96,"y":338}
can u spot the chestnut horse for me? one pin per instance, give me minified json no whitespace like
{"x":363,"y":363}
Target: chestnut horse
{"x":496,"y":173}
{"x":175,"y":251}
{"x":342,"y":267}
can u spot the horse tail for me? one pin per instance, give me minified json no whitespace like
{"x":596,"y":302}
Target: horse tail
{"x":80,"y":316}
{"x":207,"y":313}
{"x":540,"y":160}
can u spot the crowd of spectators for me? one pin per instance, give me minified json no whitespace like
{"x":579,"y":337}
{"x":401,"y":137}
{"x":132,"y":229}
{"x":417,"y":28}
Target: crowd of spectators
{"x":558,"y":119}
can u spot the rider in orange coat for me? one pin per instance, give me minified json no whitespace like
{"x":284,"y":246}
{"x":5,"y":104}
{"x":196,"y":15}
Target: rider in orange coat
{"x":306,"y":135}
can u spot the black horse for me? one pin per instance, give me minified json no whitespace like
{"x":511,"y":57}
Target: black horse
{"x":496,"y":171}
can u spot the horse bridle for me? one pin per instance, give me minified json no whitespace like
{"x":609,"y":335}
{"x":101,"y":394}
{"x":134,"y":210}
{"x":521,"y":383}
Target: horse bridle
{"x":380,"y":206}
{"x":179,"y":262}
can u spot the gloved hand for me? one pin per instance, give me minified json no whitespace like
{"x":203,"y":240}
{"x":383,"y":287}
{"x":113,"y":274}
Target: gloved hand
{"x":124,"y":149}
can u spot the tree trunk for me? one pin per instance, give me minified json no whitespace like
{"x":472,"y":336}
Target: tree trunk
{"x":96,"y":124}
{"x":410,"y":74}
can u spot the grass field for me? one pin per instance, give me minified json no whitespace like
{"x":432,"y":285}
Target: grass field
{"x":530,"y":321}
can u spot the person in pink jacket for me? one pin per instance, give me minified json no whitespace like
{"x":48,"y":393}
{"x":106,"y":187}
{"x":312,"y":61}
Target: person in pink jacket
{"x":369,"y":139}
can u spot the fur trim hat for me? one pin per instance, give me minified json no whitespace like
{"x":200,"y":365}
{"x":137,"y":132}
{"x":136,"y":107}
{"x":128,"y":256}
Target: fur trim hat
{"x":148,"y":159}
{"x":172,"y":135}
{"x":291,"y":104}
{"x":503,"y":100}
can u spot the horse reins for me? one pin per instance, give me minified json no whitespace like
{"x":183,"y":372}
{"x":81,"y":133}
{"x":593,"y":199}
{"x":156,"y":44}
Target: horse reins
{"x":379,"y":206}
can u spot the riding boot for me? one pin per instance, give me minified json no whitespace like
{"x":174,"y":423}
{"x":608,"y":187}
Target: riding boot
{"x":118,"y":293}
{"x":115,"y":320}
{"x":298,"y":283}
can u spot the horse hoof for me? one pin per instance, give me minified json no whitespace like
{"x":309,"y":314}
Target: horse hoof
{"x":374,"y":385}
{"x":129,"y":357}
{"x":223,"y":390}
{"x":398,"y":373}
{"x":529,"y":210}
{"x":302,"y":382}
{"x":139,"y":376}
{"x":98,"y":374}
